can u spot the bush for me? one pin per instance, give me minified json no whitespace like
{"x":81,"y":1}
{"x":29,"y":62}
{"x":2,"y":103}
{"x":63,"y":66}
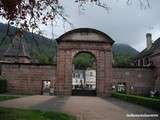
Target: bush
{"x":145,"y":101}
{"x":3,"y":85}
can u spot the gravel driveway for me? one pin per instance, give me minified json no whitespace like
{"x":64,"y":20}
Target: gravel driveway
{"x":84,"y":108}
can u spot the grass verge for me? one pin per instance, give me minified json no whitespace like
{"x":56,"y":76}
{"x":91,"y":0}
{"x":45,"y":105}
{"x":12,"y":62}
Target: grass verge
{"x":3,"y":98}
{"x":20,"y":114}
{"x":144,"y":101}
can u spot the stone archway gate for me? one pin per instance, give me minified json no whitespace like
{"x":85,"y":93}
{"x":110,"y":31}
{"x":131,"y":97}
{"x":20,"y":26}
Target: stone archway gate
{"x":84,"y":40}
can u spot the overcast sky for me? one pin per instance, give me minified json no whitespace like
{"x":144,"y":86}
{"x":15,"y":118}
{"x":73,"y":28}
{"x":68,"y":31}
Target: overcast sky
{"x":123,"y":23}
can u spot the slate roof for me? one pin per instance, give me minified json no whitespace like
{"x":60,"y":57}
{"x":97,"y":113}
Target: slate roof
{"x":87,"y":30}
{"x":17,"y":48}
{"x":2,"y":50}
{"x":147,"y":52}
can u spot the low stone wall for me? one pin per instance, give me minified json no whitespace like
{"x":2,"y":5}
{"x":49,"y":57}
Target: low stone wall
{"x":138,"y":80}
{"x":27,"y":78}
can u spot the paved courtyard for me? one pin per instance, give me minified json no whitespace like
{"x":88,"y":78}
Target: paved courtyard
{"x":84,"y":108}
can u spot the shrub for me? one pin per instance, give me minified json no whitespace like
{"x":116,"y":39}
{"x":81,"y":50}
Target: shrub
{"x":145,"y":101}
{"x":3,"y":85}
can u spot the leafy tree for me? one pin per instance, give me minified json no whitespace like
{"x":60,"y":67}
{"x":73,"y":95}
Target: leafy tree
{"x":123,"y":59}
{"x":43,"y":58}
{"x":84,"y":61}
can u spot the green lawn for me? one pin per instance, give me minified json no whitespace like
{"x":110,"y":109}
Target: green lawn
{"x":3,"y":98}
{"x":19,"y":114}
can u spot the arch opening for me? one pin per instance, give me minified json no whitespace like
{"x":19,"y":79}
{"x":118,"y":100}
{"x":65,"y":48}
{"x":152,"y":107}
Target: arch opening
{"x":84,"y":74}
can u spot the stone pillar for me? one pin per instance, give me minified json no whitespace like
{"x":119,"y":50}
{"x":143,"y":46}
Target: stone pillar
{"x":108,"y":72}
{"x":60,"y":76}
{"x":63,"y":84}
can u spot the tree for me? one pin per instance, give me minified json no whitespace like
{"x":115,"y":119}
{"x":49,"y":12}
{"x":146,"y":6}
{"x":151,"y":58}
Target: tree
{"x":84,"y":61}
{"x":123,"y":59}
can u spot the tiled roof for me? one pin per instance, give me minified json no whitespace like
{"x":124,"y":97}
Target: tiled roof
{"x":85,"y":30}
{"x":2,"y":50}
{"x":147,"y":52}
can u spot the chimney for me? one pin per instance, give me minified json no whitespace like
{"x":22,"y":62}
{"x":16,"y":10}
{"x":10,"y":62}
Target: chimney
{"x":149,"y":40}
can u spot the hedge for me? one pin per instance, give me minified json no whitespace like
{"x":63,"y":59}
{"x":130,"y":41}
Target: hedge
{"x":3,"y":86}
{"x":144,"y":101}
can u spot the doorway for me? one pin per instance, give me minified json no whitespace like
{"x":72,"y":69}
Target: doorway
{"x":84,"y":74}
{"x":46,"y":84}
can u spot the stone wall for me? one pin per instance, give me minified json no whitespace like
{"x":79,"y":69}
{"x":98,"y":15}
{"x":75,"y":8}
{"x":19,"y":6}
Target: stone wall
{"x":138,"y":80}
{"x":66,"y":53}
{"x":27,"y":78}
{"x":90,"y":41}
{"x":156,"y":62}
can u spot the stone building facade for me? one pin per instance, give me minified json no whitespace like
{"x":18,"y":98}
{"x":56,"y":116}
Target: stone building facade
{"x":150,"y":57}
{"x":26,"y":77}
{"x":156,"y":62}
{"x":84,"y":78}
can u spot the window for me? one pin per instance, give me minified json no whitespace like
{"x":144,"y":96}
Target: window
{"x":146,"y":61}
{"x":136,"y":63}
{"x":0,"y":69}
{"x":141,"y":62}
{"x":77,"y":75}
{"x":121,"y":87}
{"x":74,"y":75}
{"x":91,"y":74}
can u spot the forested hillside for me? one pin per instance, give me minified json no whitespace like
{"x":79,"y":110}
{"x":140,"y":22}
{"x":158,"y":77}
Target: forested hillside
{"x":123,"y":54}
{"x":39,"y":47}
{"x":44,"y":49}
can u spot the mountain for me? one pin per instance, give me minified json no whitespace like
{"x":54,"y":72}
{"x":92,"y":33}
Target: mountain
{"x":39,"y":47}
{"x":123,"y":54}
{"x":124,"y":49}
{"x":44,"y":49}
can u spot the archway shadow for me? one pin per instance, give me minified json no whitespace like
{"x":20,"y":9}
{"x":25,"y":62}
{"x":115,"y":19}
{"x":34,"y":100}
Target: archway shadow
{"x":54,"y":104}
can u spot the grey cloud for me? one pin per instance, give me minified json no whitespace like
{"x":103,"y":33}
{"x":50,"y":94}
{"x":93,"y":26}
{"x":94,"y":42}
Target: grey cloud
{"x":125,"y":24}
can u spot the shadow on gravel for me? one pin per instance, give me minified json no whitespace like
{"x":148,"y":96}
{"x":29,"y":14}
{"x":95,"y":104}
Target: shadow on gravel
{"x":54,"y":104}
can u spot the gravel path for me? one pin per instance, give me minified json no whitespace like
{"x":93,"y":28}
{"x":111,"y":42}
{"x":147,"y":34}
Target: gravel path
{"x":84,"y":108}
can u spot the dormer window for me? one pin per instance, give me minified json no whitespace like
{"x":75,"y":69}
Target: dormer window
{"x":146,"y":61}
{"x":141,"y":62}
{"x":91,"y":74}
